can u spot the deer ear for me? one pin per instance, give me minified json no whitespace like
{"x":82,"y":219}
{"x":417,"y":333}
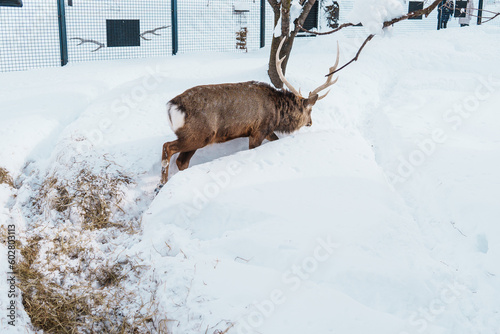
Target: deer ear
{"x":310,"y":101}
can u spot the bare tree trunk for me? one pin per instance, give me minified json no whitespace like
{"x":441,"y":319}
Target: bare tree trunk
{"x":285,"y":50}
{"x":282,"y":10}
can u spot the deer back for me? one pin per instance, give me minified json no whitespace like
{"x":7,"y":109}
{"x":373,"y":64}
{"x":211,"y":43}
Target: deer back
{"x":234,"y":110}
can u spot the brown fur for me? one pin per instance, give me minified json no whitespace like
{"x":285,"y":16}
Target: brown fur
{"x":219,"y":113}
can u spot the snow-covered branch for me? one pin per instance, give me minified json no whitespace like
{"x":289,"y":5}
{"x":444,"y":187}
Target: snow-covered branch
{"x":425,"y":11}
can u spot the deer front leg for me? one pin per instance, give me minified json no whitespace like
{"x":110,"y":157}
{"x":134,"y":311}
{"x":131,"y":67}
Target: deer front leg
{"x":272,"y":137}
{"x":255,"y":140}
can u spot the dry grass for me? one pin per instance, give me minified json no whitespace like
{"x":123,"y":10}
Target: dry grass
{"x":95,"y":198}
{"x":92,"y":304}
{"x":5,"y":177}
{"x":3,"y":234}
{"x":70,"y":282}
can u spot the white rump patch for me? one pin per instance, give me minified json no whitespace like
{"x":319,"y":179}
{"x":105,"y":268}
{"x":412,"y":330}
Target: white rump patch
{"x":175,"y":117}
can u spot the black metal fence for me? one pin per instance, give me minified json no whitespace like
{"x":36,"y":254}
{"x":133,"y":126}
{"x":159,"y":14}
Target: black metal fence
{"x":55,"y":32}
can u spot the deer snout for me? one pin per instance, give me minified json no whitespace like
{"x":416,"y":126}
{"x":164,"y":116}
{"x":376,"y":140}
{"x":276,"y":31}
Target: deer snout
{"x":309,"y":123}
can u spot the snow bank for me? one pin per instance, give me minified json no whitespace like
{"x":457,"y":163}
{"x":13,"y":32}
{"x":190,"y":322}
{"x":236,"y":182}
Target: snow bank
{"x":379,"y":218}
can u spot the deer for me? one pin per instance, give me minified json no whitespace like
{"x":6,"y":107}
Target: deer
{"x":217,"y":113}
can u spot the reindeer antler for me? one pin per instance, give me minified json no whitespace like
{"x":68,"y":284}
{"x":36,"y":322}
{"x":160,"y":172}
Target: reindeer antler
{"x":329,"y":81}
{"x":82,"y":41}
{"x":153,"y":32}
{"x":280,"y":70}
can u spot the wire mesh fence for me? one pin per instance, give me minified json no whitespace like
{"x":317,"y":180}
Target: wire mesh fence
{"x":53,"y":32}
{"x":29,"y":35}
{"x":219,"y":25}
{"x":101,"y":30}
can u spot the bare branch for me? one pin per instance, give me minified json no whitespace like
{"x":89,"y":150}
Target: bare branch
{"x":369,"y":38}
{"x":426,"y":11}
{"x":488,"y":19}
{"x":274,"y":4}
{"x":343,"y":25}
{"x":83,"y":40}
{"x":285,"y":17}
{"x":329,"y":82}
{"x":306,"y":8}
{"x":486,"y":11}
{"x":152,"y":31}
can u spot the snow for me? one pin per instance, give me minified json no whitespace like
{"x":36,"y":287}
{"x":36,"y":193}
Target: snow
{"x":373,"y":13}
{"x":382,"y":217}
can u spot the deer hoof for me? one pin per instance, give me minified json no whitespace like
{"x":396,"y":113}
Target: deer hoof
{"x":158,"y":188}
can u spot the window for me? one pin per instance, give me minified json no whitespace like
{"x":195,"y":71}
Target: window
{"x":413,"y":6}
{"x":311,"y":20}
{"x":123,"y":33}
{"x":460,"y":9}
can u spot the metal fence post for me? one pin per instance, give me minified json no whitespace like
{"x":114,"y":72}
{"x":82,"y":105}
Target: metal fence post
{"x":480,"y":13}
{"x":175,"y":36}
{"x":262,"y":23}
{"x":63,"y":39}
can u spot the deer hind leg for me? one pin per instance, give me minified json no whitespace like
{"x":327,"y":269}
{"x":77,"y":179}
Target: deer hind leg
{"x":169,"y":149}
{"x":187,"y":151}
{"x":184,"y":158}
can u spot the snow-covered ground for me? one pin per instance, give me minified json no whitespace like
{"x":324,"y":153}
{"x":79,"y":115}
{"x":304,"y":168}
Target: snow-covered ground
{"x":380,"y":218}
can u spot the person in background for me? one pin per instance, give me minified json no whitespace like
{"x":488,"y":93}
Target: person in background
{"x":465,"y":21}
{"x":445,"y":10}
